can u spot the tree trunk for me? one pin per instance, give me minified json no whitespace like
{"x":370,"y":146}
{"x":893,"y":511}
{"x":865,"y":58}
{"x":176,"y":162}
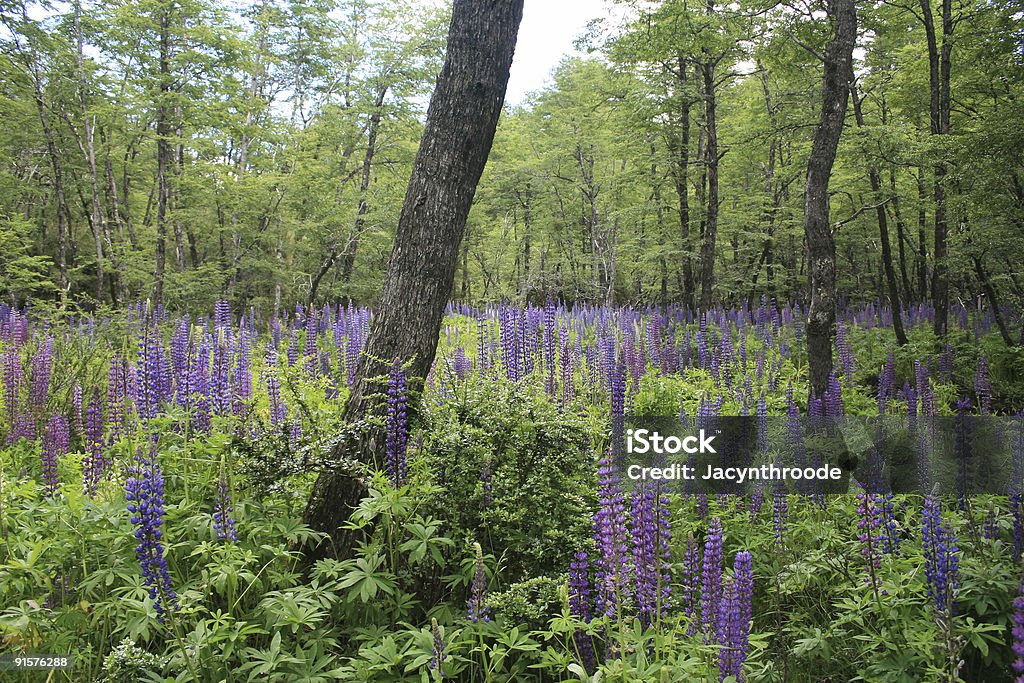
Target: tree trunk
{"x":457,"y":138}
{"x":164,"y":155}
{"x":821,"y":247}
{"x":681,"y":176}
{"x":993,"y":300}
{"x":883,"y":233}
{"x":349,"y":259}
{"x":707,"y":251}
{"x":922,"y":237}
{"x":901,"y":234}
{"x":939,"y":109}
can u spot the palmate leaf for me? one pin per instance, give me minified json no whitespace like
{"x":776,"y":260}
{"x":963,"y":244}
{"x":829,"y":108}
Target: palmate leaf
{"x":364,"y":580}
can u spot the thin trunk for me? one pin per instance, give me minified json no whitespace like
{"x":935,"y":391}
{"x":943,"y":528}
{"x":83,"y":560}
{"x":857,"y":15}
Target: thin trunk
{"x":883,"y":232}
{"x":349,"y":258}
{"x":63,"y":212}
{"x":164,"y":155}
{"x":681,"y":175}
{"x":901,"y":234}
{"x":922,"y":237}
{"x":817,"y":227}
{"x":707,"y":252}
{"x":993,"y":300}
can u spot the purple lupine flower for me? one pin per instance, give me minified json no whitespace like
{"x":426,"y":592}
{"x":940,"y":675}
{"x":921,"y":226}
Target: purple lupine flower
{"x":834,"y":397}
{"x":478,"y":608}
{"x":243,"y":371}
{"x":144,"y":490}
{"x":650,"y":529}
{"x":117,"y":383}
{"x":941,"y":559}
{"x":870,"y":519}
{"x":734,"y":617}
{"x":964,"y":451}
{"x":549,"y":348}
{"x":223,"y":510}
{"x":461,"y":364}
{"x":397,"y":426}
{"x":437,"y":658}
{"x":76,"y":409}
{"x":887,"y":383}
{"x":846,"y":360}
{"x":278,"y":409}
{"x":691,"y":583}
{"x":581,"y":606}
{"x":55,"y":446}
{"x":12,"y":378}
{"x":924,"y":390}
{"x":94,"y":463}
{"x":1018,"y":633}
{"x":711,"y":576}
{"x":990,"y":529}
{"x":891,"y":539}
{"x":946,"y":363}
{"x":612,"y":568}
{"x":780,"y":513}
{"x":983,"y":387}
{"x":580,"y":598}
{"x":220,"y":375}
{"x":566,"y":358}
{"x":39,"y":389}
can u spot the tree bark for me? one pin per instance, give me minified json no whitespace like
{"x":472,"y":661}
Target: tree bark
{"x":939,"y":109}
{"x":993,"y":300}
{"x":883,"y":233}
{"x":680,"y":143}
{"x":707,"y":251}
{"x":461,"y":121}
{"x":821,"y":248}
{"x":164,"y":154}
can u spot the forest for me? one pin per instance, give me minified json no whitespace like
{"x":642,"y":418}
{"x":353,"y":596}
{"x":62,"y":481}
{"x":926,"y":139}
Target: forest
{"x":318,"y":355}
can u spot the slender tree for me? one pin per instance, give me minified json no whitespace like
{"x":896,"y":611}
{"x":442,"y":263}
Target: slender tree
{"x":821,"y":247}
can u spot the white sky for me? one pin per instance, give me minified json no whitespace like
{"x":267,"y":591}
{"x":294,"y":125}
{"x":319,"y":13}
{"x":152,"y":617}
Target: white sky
{"x":547,"y":33}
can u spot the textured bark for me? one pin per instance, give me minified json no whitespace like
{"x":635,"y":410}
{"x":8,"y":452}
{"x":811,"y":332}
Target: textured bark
{"x":457,"y":138}
{"x":821,"y":248}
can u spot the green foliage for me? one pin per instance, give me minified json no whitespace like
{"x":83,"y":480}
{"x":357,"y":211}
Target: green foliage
{"x":536,"y":459}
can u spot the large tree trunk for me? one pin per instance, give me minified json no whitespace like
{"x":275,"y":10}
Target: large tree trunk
{"x":461,"y":122}
{"x":821,"y":248}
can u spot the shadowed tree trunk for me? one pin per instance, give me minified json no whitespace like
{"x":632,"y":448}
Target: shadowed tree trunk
{"x":460,"y":126}
{"x":821,"y":248}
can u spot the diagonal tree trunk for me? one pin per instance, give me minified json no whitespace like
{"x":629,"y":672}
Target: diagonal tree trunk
{"x":457,"y":138}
